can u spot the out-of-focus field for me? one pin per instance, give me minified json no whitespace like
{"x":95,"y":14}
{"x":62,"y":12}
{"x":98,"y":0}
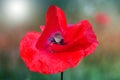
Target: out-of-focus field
{"x":103,"y":64}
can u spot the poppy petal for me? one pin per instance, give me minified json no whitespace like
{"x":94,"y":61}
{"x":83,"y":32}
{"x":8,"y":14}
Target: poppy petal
{"x":44,"y":61}
{"x":27,"y":48}
{"x":87,"y":38}
{"x":55,"y":22}
{"x":55,"y":19}
{"x":82,"y":38}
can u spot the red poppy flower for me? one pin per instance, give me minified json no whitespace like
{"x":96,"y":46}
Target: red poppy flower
{"x":102,"y":18}
{"x":59,"y":46}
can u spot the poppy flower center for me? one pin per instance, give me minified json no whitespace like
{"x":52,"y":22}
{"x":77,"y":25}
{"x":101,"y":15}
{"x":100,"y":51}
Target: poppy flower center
{"x":57,"y":39}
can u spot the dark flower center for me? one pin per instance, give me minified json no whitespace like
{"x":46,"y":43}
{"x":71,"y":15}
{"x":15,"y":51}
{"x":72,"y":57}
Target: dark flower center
{"x":57,"y":39}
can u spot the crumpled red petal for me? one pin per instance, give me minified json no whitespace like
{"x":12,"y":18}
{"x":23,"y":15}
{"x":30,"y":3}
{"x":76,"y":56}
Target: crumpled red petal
{"x":43,"y":61}
{"x":81,"y":37}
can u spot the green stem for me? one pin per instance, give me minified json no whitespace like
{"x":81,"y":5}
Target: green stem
{"x":61,"y":75}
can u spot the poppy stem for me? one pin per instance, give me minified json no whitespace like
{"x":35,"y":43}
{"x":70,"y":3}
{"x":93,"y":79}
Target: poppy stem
{"x":61,"y":75}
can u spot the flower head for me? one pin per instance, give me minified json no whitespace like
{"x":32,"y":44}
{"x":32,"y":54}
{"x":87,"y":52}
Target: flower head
{"x":59,"y":46}
{"x":102,"y":18}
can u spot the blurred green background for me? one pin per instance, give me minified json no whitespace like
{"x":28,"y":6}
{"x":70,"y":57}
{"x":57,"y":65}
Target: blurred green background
{"x":17,"y":17}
